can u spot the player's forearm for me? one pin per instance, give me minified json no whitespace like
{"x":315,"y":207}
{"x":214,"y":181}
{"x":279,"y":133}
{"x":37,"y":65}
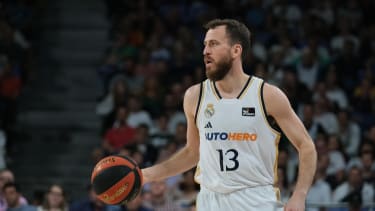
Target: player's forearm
{"x":180,"y":162}
{"x":307,"y":168}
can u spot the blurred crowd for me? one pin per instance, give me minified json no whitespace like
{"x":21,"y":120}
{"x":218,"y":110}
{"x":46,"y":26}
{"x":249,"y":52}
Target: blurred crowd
{"x":320,"y":53}
{"x":17,"y":31}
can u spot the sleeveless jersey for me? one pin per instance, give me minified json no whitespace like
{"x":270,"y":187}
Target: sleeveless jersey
{"x":238,"y":147}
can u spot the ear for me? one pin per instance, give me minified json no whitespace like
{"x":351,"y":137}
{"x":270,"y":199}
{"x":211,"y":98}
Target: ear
{"x":236,"y":50}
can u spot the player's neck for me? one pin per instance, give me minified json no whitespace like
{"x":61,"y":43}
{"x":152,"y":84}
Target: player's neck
{"x":232,"y":84}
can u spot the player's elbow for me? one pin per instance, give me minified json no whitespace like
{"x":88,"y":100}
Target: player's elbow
{"x":307,"y":149}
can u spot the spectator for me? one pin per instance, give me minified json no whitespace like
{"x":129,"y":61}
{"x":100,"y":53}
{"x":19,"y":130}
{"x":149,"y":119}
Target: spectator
{"x":54,"y":200}
{"x":333,"y":90}
{"x":319,"y":193}
{"x":135,"y":205}
{"x":337,"y":155}
{"x":366,"y":163}
{"x":319,"y":50}
{"x":137,"y":115}
{"x":107,"y":70}
{"x":117,"y":96}
{"x":335,"y":169}
{"x":275,"y":67}
{"x":296,"y":91}
{"x":166,"y":152}
{"x":175,"y":115}
{"x":152,"y":96}
{"x":120,"y":134}
{"x":344,"y":33}
{"x":347,"y":62}
{"x":308,"y":69}
{"x":323,"y":162}
{"x":180,"y":134}
{"x":325,"y":117}
{"x":363,"y":102}
{"x":350,"y":133}
{"x":160,"y":134}
{"x":142,"y":144}
{"x":12,"y":197}
{"x":187,"y":190}
{"x":325,"y":11}
{"x":7,"y":176}
{"x":160,"y":198}
{"x":307,"y":118}
{"x":355,"y":186}
{"x":107,"y":108}
{"x":89,"y":203}
{"x":128,"y":73}
{"x":287,"y":163}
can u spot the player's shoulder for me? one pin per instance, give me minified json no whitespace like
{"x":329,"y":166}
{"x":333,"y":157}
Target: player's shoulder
{"x":192,"y":96}
{"x":275,"y":99}
{"x":193,"y":92}
{"x":272,"y":91}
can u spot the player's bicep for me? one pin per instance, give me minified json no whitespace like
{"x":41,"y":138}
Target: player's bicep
{"x":278,"y":106}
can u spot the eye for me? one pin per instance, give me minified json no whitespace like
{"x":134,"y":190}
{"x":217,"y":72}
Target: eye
{"x":212,"y":44}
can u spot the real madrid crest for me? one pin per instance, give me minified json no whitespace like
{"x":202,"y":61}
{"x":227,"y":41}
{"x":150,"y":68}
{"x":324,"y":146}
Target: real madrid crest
{"x":209,"y":111}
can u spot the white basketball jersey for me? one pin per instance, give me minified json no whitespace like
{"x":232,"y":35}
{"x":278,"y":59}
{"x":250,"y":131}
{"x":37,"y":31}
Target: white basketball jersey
{"x":238,"y":147}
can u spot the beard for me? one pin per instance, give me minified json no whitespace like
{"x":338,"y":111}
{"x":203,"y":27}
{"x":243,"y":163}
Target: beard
{"x":222,"y":68}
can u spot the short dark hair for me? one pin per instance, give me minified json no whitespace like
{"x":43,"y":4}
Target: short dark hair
{"x":11,"y":185}
{"x":237,"y":33}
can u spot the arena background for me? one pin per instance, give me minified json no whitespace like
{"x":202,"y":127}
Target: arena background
{"x":60,"y":61}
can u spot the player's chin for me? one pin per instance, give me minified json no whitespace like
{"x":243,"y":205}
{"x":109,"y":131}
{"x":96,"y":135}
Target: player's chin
{"x":209,"y":70}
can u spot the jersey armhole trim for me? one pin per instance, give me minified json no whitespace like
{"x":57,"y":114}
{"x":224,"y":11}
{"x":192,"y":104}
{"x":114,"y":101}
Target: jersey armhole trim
{"x":247,"y":85}
{"x":265,"y":110}
{"x":199,"y":102}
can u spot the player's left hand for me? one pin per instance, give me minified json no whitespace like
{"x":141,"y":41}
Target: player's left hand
{"x":295,"y":203}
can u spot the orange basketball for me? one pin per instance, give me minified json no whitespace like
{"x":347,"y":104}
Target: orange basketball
{"x":116,"y":179}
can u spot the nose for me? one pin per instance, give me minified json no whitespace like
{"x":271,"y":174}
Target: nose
{"x":206,"y":50}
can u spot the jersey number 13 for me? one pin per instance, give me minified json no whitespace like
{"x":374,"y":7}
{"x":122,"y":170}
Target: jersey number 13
{"x":231,"y":162}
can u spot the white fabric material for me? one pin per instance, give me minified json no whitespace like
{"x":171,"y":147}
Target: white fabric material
{"x":237,"y":146}
{"x":261,"y":198}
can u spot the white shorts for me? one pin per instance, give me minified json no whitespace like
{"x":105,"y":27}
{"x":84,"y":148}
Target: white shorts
{"x":249,"y":199}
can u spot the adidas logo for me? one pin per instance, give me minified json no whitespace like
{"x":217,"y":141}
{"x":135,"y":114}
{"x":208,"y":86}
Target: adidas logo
{"x":208,"y":125}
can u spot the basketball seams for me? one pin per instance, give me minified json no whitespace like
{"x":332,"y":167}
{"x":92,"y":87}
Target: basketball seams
{"x":116,"y":179}
{"x":109,"y":177}
{"x":120,"y":190}
{"x":111,"y":161}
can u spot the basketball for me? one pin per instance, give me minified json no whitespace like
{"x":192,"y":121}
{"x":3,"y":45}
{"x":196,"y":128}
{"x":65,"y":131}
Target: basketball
{"x":116,"y":179}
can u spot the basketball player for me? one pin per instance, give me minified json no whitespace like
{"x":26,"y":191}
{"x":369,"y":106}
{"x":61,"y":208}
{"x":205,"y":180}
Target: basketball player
{"x":229,"y":136}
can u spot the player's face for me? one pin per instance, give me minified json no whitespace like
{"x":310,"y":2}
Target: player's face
{"x":217,"y":53}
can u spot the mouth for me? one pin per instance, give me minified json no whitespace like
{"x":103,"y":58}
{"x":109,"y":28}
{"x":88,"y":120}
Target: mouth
{"x":208,"y":61}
